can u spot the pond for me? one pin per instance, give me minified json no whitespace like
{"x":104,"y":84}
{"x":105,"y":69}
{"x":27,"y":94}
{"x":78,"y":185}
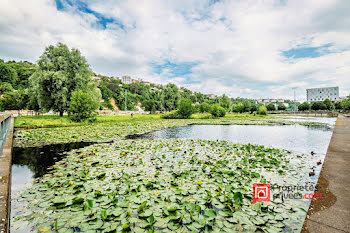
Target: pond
{"x":291,"y":137}
{"x":30,"y":163}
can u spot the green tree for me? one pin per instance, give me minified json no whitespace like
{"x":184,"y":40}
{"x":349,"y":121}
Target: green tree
{"x":338,"y":105}
{"x":82,"y":106}
{"x":225,"y":102}
{"x":7,"y":73}
{"x":318,"y":106}
{"x":217,"y":111}
{"x":271,"y":107}
{"x":304,"y":106}
{"x":185,"y":108}
{"x":253,"y":108}
{"x":170,"y":97}
{"x":281,"y":107}
{"x":329,"y":104}
{"x":238,"y":108}
{"x":60,"y":72}
{"x":246,"y":106}
{"x":12,"y":101}
{"x":262,"y":110}
{"x":5,"y":87}
{"x":204,"y":107}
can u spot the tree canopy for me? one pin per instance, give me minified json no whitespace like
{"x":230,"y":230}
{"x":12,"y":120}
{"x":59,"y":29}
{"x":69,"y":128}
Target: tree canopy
{"x":60,"y":72}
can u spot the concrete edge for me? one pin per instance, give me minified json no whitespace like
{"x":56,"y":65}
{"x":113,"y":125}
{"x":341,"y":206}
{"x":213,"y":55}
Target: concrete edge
{"x":7,"y":157}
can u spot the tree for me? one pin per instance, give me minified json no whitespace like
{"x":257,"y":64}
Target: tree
{"x":346,"y":104}
{"x":217,"y":111}
{"x":281,"y":107}
{"x":5,"y":87}
{"x":7,"y":73}
{"x":271,"y":107}
{"x":318,"y":106}
{"x":329,"y":104}
{"x":304,"y":106}
{"x":204,"y":107}
{"x":225,"y":102}
{"x":238,"y":108}
{"x":12,"y":101}
{"x":338,"y":105}
{"x":82,"y":106}
{"x":246,"y":106}
{"x":262,"y":110}
{"x":170,"y":97}
{"x":60,"y":72}
{"x":253,"y":108}
{"x":185,"y":108}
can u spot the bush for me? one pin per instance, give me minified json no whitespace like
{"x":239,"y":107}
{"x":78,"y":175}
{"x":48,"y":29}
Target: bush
{"x":318,"y":106}
{"x":204,"y":107}
{"x":185,"y":108}
{"x":217,"y":111}
{"x":262,"y":110}
{"x":329,"y":104}
{"x":271,"y":107}
{"x":82,"y":106}
{"x":304,"y":106}
{"x":253,"y":108}
{"x":281,"y":107}
{"x":171,"y":115}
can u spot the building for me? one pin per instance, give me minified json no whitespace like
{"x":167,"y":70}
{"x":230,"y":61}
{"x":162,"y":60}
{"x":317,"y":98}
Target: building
{"x":126,"y":79}
{"x":320,"y":94}
{"x":212,"y":96}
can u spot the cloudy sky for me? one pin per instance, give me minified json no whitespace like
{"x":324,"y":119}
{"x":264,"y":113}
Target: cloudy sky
{"x":245,"y":48}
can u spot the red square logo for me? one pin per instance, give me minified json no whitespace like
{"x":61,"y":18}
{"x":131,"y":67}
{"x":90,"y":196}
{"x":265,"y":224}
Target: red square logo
{"x":261,"y":192}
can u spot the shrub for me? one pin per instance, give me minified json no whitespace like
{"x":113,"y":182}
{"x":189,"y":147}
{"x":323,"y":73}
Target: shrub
{"x":171,"y":115}
{"x":281,"y":107}
{"x":318,"y":106}
{"x":271,"y":107}
{"x":204,"y":107}
{"x":304,"y":106}
{"x":329,"y":104}
{"x":262,"y":110}
{"x":82,"y":106}
{"x":217,"y":111}
{"x":185,"y":108}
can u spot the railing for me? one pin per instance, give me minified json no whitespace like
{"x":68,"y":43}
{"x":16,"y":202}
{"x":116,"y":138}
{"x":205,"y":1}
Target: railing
{"x":4,"y":129}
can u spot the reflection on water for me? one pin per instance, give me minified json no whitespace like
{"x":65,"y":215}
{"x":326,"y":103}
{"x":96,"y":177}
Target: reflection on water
{"x":32,"y":162}
{"x":292,"y":137}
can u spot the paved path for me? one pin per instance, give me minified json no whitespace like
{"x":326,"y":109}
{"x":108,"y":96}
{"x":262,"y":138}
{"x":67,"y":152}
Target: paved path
{"x":332,"y":212}
{"x":5,"y":181}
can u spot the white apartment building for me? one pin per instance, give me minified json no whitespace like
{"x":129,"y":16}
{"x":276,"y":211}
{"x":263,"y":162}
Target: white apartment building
{"x":320,"y":94}
{"x":126,"y":79}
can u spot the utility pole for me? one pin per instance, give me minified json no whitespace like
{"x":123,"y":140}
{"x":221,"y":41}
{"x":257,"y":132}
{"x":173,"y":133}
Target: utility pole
{"x":126,"y":100}
{"x":295,"y":104}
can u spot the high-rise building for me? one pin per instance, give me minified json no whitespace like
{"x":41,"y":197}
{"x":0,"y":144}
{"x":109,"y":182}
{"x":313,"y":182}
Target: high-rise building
{"x":320,"y":94}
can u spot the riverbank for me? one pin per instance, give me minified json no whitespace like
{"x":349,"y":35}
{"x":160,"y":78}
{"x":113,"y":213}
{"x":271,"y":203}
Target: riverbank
{"x":332,"y":212}
{"x":44,"y":130}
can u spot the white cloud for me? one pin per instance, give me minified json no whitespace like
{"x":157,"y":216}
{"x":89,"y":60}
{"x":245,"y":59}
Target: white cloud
{"x":237,"y":44}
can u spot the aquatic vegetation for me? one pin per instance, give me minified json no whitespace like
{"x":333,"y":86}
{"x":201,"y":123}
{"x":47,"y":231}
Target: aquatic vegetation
{"x":163,"y":186}
{"x":114,"y":130}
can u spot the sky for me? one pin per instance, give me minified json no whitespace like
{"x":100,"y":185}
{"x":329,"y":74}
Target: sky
{"x":241,"y":48}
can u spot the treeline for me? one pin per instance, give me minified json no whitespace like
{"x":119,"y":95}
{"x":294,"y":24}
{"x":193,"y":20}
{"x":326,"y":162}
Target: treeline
{"x":326,"y":105}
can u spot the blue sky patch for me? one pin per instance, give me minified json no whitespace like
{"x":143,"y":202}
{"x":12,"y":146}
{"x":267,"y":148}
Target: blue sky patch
{"x":172,"y":69}
{"x":82,"y":7}
{"x":304,"y":52}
